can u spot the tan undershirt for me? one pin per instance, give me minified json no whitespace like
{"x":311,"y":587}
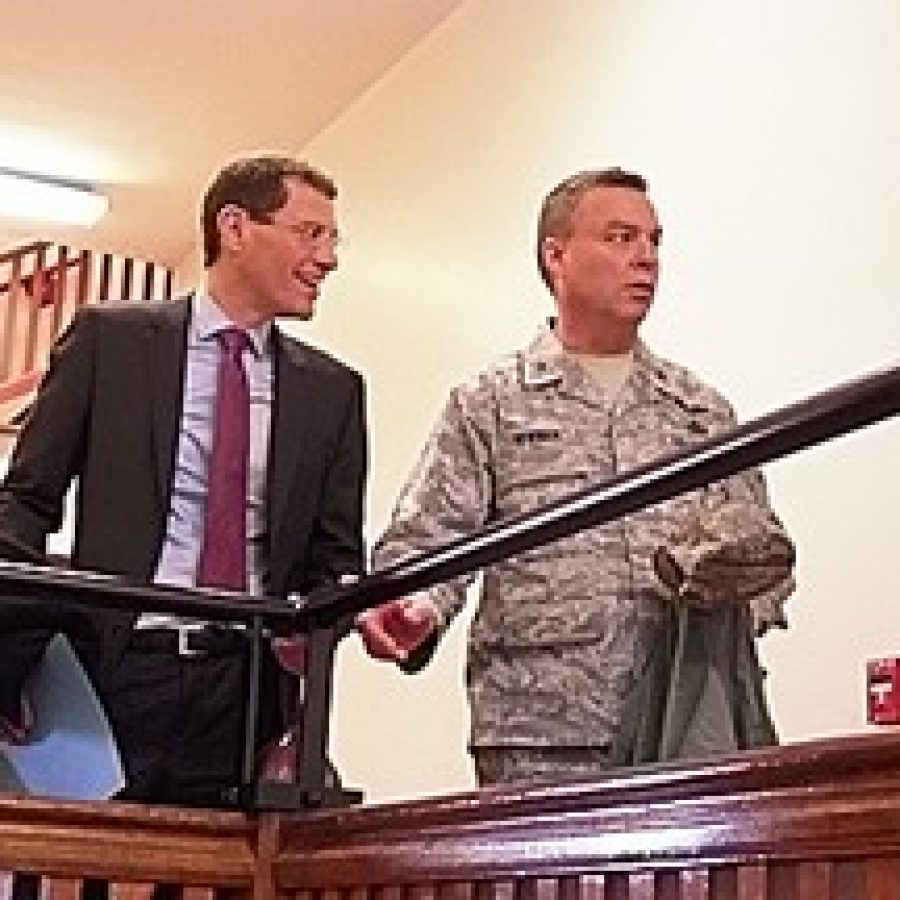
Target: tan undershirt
{"x":610,"y":372}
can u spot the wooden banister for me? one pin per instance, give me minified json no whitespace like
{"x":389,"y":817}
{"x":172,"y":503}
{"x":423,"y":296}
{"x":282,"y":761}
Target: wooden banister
{"x":33,"y":311}
{"x":22,"y":250}
{"x":52,"y":274}
{"x":17,"y":387}
{"x":817,"y":820}
{"x":41,"y":287}
{"x":9,"y":320}
{"x":127,"y":844}
{"x":812,"y":821}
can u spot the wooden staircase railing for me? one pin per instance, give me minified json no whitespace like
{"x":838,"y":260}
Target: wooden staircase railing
{"x":812,"y":821}
{"x":132,"y":847}
{"x":41,"y":287}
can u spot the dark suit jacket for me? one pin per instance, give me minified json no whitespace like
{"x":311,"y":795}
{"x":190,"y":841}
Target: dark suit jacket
{"x":108,"y":414}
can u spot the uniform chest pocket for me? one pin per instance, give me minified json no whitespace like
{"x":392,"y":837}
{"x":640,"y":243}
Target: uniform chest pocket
{"x":661,"y":432}
{"x":540,"y":462}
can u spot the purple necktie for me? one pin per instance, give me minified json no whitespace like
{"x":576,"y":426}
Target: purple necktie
{"x":223,"y":558}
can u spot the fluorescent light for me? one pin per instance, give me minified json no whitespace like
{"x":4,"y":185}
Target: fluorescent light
{"x":33,"y":197}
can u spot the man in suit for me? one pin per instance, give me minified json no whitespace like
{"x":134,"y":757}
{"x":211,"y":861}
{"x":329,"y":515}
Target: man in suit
{"x":132,"y":408}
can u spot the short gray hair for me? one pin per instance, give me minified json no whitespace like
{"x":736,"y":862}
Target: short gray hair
{"x":560,"y":203}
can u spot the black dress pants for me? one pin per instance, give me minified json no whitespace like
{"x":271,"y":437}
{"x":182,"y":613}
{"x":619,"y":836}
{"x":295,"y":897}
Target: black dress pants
{"x":180,"y":719}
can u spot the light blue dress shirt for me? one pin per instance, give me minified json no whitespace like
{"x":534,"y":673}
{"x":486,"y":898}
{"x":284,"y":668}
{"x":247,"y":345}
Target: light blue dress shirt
{"x":177,"y":564}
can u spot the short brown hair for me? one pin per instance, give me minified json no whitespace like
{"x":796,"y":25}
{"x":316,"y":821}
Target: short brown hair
{"x":257,"y":185}
{"x":560,"y":203}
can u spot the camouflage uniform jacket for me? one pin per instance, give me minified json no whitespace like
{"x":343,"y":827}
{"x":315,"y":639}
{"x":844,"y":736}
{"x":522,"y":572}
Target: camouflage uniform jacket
{"x":561,"y":631}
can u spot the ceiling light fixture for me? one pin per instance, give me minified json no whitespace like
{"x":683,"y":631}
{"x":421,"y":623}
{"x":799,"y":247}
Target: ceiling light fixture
{"x":43,"y":199}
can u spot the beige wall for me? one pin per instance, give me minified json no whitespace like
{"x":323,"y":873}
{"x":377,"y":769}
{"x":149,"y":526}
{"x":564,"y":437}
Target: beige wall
{"x":770,"y":136}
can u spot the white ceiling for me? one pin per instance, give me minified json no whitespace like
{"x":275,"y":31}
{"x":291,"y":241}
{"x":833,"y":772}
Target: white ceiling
{"x":146,"y":98}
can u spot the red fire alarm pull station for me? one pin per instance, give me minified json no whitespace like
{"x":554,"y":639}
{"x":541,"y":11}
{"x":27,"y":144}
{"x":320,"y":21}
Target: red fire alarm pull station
{"x":883,"y":677}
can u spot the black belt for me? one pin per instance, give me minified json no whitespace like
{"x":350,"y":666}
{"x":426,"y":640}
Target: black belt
{"x":207,"y":641}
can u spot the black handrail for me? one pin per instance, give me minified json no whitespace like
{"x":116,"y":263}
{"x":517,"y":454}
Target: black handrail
{"x":832,"y":413}
{"x":54,"y":585}
{"x":823,"y":416}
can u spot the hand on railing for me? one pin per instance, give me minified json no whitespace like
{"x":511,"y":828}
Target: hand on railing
{"x":395,"y":629}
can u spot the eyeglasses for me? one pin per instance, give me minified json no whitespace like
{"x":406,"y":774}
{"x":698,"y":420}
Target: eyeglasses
{"x":307,"y":232}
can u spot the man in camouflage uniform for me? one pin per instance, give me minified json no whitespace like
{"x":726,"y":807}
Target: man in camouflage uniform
{"x":564,"y":631}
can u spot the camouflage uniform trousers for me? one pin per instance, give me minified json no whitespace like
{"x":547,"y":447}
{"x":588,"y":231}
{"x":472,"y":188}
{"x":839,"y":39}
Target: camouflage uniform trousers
{"x":536,"y":765}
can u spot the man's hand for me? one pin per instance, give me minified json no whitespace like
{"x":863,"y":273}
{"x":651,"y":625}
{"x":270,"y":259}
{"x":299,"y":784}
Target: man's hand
{"x":394,"y":629}
{"x":19,"y":730}
{"x":725,"y":553}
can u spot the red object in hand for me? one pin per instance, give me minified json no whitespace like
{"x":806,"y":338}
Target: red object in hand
{"x":883,"y":677}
